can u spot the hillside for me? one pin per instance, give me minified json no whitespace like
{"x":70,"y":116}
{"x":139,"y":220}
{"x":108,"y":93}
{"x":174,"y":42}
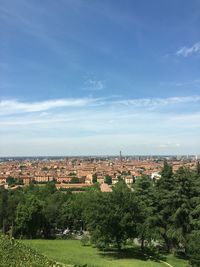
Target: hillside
{"x":13,"y":253}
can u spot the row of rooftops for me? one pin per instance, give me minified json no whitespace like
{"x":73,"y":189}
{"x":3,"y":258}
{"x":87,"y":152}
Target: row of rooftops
{"x":64,"y":170}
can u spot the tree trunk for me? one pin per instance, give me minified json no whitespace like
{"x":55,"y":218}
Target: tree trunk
{"x":119,"y":246}
{"x":142,"y":243}
{"x":167,"y":243}
{"x":3,"y":226}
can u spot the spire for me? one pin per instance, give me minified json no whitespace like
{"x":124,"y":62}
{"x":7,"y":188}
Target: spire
{"x":120,"y":155}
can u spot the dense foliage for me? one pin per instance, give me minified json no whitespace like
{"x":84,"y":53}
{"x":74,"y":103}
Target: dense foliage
{"x":14,"y":253}
{"x":164,"y":213}
{"x":193,"y":247}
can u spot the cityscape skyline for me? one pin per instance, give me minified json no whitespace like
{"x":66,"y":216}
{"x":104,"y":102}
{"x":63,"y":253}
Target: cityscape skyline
{"x":96,"y":77}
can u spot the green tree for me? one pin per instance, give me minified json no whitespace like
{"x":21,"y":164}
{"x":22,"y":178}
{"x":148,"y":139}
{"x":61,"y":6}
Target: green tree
{"x":3,"y":208}
{"x":14,"y":198}
{"x":195,"y":200}
{"x":108,"y":179}
{"x":183,"y":193}
{"x":14,"y":181}
{"x":164,"y":195}
{"x":143,"y":189}
{"x":112,"y":217}
{"x":29,"y":217}
{"x":193,"y":249}
{"x":72,"y":211}
{"x":11,"y":181}
{"x":94,"y":178}
{"x":74,"y":180}
{"x":52,"y":212}
{"x":166,"y":179}
{"x":198,"y":168}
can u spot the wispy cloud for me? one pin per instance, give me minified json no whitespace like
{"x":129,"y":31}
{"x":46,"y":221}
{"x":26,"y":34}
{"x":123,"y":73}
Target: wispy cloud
{"x":169,"y":145}
{"x":186,"y":51}
{"x":14,"y":106}
{"x":94,"y":85}
{"x":87,"y":124}
{"x":194,"y":83}
{"x":153,"y":102}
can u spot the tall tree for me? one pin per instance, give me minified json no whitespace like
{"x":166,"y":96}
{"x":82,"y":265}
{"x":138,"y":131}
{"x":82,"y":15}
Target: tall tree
{"x":29,"y":217}
{"x":3,"y":208}
{"x":112,"y":217}
{"x":183,"y":194}
{"x":195,"y":201}
{"x":198,"y":168}
{"x":164,"y":190}
{"x":193,"y":249}
{"x":143,"y":189}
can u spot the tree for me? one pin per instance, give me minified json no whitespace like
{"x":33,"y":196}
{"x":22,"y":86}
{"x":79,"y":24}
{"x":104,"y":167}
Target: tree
{"x":112,"y":217}
{"x":50,"y":188}
{"x":162,"y":219}
{"x":14,"y":181}
{"x":166,"y":180}
{"x":3,"y":208}
{"x":193,"y":248}
{"x":74,"y":180}
{"x":108,"y":179}
{"x":29,"y":217}
{"x":72,"y":211}
{"x":10,"y":180}
{"x":14,"y":198}
{"x":94,"y":178}
{"x":198,"y":168}
{"x":143,"y":189}
{"x":195,"y":200}
{"x":183,"y":194}
{"x":52,"y":212}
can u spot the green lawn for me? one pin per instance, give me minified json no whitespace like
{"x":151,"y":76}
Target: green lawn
{"x":176,"y":262}
{"x":72,"y":252}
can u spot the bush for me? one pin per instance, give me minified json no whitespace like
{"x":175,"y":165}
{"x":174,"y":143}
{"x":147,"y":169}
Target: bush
{"x":14,"y":253}
{"x":85,"y":240}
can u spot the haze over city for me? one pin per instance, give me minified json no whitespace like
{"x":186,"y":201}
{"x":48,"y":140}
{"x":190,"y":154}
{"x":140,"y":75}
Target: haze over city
{"x":96,"y":77}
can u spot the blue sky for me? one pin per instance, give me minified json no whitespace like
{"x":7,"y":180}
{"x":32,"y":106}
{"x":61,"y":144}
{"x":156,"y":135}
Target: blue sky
{"x":81,"y":77}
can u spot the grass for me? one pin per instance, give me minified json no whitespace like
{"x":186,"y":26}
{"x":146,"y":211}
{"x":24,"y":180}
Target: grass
{"x":176,"y":262}
{"x":72,"y":252}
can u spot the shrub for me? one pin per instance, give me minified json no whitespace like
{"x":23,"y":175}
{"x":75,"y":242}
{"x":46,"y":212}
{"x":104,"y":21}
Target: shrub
{"x":85,"y":240}
{"x":13,"y":254}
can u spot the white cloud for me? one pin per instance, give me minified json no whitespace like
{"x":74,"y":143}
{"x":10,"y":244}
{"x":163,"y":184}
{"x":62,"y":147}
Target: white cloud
{"x":87,"y":125}
{"x":169,"y":145}
{"x":187,"y":51}
{"x":153,"y":102}
{"x":11,"y":106}
{"x":14,"y":106}
{"x":94,"y":85}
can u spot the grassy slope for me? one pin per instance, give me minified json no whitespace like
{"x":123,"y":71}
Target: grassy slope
{"x":72,"y":252}
{"x":176,"y":262}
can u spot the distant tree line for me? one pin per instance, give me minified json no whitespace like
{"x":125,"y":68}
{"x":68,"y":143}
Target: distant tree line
{"x":164,"y":213}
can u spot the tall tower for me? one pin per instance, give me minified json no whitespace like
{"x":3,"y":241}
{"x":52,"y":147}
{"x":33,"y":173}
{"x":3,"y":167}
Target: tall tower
{"x":120,"y":155}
